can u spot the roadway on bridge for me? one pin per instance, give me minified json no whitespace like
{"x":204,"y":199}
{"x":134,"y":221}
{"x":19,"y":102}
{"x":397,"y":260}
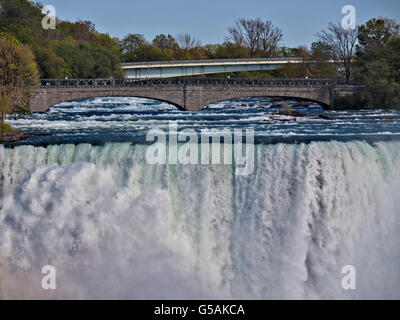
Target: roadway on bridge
{"x":182,"y":68}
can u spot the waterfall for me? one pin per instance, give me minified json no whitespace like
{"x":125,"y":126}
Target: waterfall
{"x":115,"y":226}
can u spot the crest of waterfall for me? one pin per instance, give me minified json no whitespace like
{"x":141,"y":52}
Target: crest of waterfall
{"x":115,"y":226}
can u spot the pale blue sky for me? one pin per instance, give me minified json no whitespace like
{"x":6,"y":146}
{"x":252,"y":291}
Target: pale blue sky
{"x":208,"y":20}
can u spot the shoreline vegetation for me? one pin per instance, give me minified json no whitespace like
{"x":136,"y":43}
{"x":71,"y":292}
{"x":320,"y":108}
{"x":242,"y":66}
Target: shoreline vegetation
{"x":369,"y":55}
{"x":8,"y":134}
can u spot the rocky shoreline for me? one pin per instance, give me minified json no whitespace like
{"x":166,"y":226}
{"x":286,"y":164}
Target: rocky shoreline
{"x":13,"y":136}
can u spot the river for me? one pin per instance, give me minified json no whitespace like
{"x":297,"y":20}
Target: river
{"x":83,"y":197}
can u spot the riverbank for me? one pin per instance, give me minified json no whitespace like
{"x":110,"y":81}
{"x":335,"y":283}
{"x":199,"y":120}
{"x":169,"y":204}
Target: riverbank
{"x":13,"y":136}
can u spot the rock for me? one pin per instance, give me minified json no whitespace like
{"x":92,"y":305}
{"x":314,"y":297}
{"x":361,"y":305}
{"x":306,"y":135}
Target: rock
{"x":302,"y":104}
{"x":286,"y":110}
{"x":13,"y":136}
{"x":291,"y":113}
{"x":284,"y":120}
{"x":281,"y":105}
{"x":324,"y":116}
{"x":39,"y":134}
{"x":286,"y":106}
{"x":275,"y":106}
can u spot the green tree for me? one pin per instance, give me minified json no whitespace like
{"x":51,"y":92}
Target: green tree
{"x":18,"y":75}
{"x":382,"y":77}
{"x":376,"y":33}
{"x":150,"y":53}
{"x":286,"y":52}
{"x":21,"y":18}
{"x":378,"y":63}
{"x":69,"y":51}
{"x":301,"y":69}
{"x":129,"y":45}
{"x":51,"y":66}
{"x":320,"y":66}
{"x":163,"y":41}
{"x":106,"y":63}
{"x":231,"y":51}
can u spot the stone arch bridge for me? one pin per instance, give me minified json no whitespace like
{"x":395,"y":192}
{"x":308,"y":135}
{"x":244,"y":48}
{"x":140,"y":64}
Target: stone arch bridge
{"x":186,"y":94}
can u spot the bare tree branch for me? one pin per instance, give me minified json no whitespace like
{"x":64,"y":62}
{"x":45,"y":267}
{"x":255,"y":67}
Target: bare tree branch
{"x":343,"y":44}
{"x":186,"y":41}
{"x":259,"y":37}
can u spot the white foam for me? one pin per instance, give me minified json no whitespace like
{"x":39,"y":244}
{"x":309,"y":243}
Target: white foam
{"x":117,"y":227}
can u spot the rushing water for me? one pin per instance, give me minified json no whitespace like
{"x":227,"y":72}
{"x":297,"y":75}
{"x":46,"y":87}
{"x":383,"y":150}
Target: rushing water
{"x":323,"y":194}
{"x":101,"y":120}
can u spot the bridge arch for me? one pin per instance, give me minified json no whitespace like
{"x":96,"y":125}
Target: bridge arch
{"x":46,"y":106}
{"x":185,"y":94}
{"x":58,"y":101}
{"x":43,"y":101}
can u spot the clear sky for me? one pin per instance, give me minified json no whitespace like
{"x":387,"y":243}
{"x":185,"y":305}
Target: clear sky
{"x":208,"y":20}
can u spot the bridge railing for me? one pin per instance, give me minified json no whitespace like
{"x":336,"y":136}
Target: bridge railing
{"x":155,"y":82}
{"x":205,"y":61}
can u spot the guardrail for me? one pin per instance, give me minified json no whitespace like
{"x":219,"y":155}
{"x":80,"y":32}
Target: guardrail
{"x":273,"y":82}
{"x":205,"y":61}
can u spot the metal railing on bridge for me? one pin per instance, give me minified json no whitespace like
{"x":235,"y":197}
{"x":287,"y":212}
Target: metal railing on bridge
{"x":211,"y":61}
{"x":269,"y":82}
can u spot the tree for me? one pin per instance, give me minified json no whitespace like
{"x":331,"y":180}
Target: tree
{"x":21,"y":18}
{"x":376,"y":33}
{"x":106,"y":63}
{"x":381,"y":76}
{"x":231,"y":51}
{"x":18,"y":75}
{"x":163,"y":41}
{"x":51,"y":66}
{"x":320,"y":66}
{"x":67,"y":51}
{"x":377,"y":66}
{"x":343,"y":44}
{"x":301,"y":69}
{"x":186,"y":41}
{"x":269,"y":38}
{"x":378,"y":63}
{"x":130,"y":44}
{"x":285,"y":52}
{"x":247,"y":32}
{"x":151,"y":53}
{"x":259,"y":37}
{"x":84,"y":32}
